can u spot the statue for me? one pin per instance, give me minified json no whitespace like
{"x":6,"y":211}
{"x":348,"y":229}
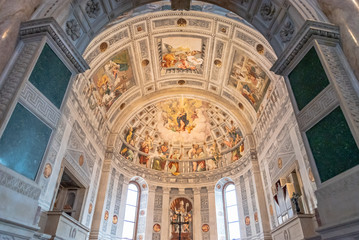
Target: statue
{"x":295,"y":201}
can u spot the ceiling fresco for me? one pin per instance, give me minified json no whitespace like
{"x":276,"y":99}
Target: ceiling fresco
{"x":113,"y":79}
{"x":181,"y":54}
{"x":248,"y":78}
{"x":181,"y":128}
{"x":181,"y":87}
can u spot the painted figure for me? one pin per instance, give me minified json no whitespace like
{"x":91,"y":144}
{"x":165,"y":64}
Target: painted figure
{"x":182,"y":121}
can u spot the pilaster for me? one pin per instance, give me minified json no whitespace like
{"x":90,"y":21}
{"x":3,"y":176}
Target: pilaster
{"x":336,"y":194}
{"x":165,"y":214}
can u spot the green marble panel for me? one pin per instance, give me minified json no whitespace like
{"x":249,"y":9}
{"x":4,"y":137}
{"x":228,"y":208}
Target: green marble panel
{"x":24,"y":142}
{"x":333,"y":146}
{"x":308,"y":79}
{"x":50,"y":76}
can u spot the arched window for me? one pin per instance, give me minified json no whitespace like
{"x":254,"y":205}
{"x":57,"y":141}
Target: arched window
{"x":131,"y":211}
{"x":231,"y":211}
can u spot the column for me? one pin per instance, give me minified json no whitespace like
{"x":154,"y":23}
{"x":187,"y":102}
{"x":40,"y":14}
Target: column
{"x":328,"y":119}
{"x":101,"y":201}
{"x":260,"y":197}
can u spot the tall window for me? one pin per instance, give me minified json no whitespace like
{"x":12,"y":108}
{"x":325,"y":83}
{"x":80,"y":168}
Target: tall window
{"x":131,"y":212}
{"x":231,"y":211}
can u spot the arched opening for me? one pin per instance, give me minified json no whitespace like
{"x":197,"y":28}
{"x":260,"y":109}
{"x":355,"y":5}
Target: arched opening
{"x":131,"y":211}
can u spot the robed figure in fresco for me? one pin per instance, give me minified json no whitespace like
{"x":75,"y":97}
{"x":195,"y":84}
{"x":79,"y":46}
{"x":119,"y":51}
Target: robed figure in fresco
{"x":182,"y":121}
{"x":181,"y":219}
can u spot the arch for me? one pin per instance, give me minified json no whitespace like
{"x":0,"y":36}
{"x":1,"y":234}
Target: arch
{"x":262,"y":15}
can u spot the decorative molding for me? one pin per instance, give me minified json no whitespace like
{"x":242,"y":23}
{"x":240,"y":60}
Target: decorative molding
{"x":324,"y":102}
{"x":267,"y":11}
{"x":287,"y":31}
{"x":35,"y":101}
{"x":73,"y":29}
{"x":309,"y":30}
{"x":116,"y":210}
{"x":50,"y":28}
{"x":342,"y":80}
{"x":16,"y":76}
{"x":16,"y":184}
{"x":93,"y":8}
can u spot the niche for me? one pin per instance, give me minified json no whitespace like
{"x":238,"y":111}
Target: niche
{"x":70,"y":195}
{"x":284,"y":190}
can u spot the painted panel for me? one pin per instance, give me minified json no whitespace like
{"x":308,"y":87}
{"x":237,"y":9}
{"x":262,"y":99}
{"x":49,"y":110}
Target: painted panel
{"x":333,"y":146}
{"x":24,"y":142}
{"x":308,"y":79}
{"x":248,"y":78}
{"x":113,"y":79}
{"x":181,"y":54}
{"x":50,"y":76}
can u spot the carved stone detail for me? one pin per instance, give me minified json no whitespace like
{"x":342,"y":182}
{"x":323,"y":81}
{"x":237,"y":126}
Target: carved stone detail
{"x":39,"y":104}
{"x":267,"y":11}
{"x":116,"y":211}
{"x":4,"y":236}
{"x":309,"y":30}
{"x":73,"y":29}
{"x":50,"y":28}
{"x":286,"y":32}
{"x":347,"y":91}
{"x":314,"y":110}
{"x":18,"y":185}
{"x":246,"y":38}
{"x":15,"y":77}
{"x":93,"y":8}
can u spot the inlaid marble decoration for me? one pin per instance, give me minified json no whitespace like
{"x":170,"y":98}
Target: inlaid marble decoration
{"x":22,"y":147}
{"x":308,"y":79}
{"x":205,"y":227}
{"x":81,"y":160}
{"x":156,"y":227}
{"x":333,"y":146}
{"x":180,"y":54}
{"x":112,"y":80}
{"x":247,"y":220}
{"x":47,"y":170}
{"x":50,"y":76}
{"x":90,"y":208}
{"x":248,"y":78}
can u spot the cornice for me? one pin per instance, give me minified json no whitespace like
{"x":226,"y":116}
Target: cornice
{"x":311,"y":29}
{"x":50,"y":28}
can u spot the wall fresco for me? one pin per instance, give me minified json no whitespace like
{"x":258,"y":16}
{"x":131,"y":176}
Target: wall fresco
{"x":112,"y":80}
{"x":248,"y":78}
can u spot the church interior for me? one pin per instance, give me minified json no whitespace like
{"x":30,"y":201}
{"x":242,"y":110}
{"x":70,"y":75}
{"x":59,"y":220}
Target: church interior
{"x":179,"y":119}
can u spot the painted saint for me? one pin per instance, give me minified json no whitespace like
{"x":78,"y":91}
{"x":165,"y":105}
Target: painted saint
{"x":181,"y":54}
{"x":181,"y":213}
{"x":249,"y":79}
{"x":113,"y":79}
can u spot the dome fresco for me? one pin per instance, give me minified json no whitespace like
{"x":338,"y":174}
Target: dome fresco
{"x":181,"y":128}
